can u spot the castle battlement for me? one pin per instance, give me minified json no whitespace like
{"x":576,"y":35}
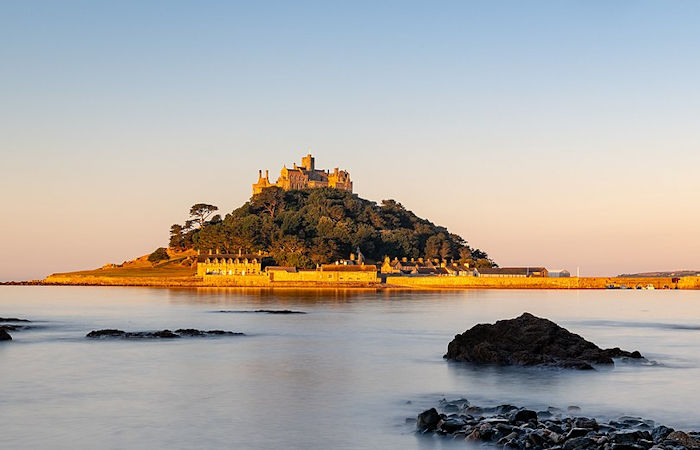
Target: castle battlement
{"x":305,"y":176}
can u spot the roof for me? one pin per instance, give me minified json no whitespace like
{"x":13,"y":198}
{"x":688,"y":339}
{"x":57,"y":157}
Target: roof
{"x":510,"y":270}
{"x":341,"y":268}
{"x":249,"y":256}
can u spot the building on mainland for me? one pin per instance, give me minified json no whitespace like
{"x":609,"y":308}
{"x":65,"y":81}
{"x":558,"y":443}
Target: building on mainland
{"x":240,"y":264}
{"x":220,"y":267}
{"x":421,"y":267}
{"x":305,"y":176}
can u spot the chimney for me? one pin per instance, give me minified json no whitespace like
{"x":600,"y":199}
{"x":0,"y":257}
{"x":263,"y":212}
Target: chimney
{"x":267,"y":174}
{"x":259,"y":174}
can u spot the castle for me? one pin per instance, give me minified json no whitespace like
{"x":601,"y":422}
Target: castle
{"x":304,"y":177}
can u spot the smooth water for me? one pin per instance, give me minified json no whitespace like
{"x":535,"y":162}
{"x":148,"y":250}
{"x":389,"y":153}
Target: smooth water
{"x":344,"y":376}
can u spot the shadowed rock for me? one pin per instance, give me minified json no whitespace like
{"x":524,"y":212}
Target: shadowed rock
{"x":529,"y":341}
{"x":4,"y":335}
{"x":163,"y":334}
{"x":12,"y":319}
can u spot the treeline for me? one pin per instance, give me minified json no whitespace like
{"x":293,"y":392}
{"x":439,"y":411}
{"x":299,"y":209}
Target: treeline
{"x":304,"y":228}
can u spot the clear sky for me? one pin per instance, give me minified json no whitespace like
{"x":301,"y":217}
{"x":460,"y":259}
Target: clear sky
{"x":557,"y":133}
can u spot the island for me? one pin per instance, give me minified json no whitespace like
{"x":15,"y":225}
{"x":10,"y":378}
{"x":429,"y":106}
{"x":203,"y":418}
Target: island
{"x":308,"y":229}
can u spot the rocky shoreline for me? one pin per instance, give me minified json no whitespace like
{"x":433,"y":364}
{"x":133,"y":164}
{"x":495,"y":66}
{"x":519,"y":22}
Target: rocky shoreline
{"x":512,"y":427}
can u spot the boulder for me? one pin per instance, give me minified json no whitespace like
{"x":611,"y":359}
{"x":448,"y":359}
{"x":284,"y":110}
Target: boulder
{"x":428,"y":420}
{"x":4,"y":335}
{"x":529,"y":341}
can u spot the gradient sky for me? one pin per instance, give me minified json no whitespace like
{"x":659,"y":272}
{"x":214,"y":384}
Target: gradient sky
{"x":557,"y":133}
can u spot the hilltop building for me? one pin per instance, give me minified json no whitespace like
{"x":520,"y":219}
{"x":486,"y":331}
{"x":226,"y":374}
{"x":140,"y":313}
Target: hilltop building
{"x":304,"y":177}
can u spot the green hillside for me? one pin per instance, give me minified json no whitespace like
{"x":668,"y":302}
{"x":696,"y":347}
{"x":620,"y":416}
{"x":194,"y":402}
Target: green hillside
{"x":317,"y":226}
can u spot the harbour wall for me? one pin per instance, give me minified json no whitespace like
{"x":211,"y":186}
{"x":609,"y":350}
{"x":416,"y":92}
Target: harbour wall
{"x":431,"y":282}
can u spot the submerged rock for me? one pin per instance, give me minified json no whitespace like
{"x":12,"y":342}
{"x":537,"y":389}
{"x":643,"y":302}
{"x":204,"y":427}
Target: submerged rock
{"x":261,"y":311}
{"x":4,"y":335}
{"x":529,"y":341}
{"x":163,"y":334}
{"x":13,"y":319}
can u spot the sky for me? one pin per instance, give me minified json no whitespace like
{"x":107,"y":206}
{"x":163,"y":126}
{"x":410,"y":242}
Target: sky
{"x":555,"y":133}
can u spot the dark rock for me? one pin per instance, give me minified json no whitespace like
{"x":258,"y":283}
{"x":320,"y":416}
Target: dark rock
{"x":629,"y":437}
{"x":165,"y":334}
{"x":584,"y":422}
{"x":578,"y":443}
{"x":162,"y":334}
{"x":224,"y":333}
{"x":106,"y":333}
{"x":505,"y":409}
{"x":5,"y":336}
{"x":523,"y":415}
{"x":12,"y":319}
{"x":683,"y":439}
{"x":577,"y":432}
{"x":528,"y":341}
{"x":659,"y":433}
{"x":573,"y":408}
{"x":428,"y":420}
{"x":452,"y":425}
{"x":279,"y":311}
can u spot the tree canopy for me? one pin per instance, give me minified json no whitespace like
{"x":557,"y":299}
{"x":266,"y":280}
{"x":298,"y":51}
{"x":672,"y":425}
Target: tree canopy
{"x":317,"y":226}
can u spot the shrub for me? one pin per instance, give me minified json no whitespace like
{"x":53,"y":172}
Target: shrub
{"x":158,"y":255}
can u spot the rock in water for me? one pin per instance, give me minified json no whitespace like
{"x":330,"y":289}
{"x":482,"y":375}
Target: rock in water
{"x":4,"y":335}
{"x":529,"y":341}
{"x":162,"y":334}
{"x":428,"y":420}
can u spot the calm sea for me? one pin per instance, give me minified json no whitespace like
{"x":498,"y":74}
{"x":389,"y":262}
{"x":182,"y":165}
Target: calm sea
{"x":344,"y":376}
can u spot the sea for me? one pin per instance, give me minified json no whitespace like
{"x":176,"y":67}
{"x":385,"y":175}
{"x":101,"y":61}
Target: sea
{"x":350,"y":373}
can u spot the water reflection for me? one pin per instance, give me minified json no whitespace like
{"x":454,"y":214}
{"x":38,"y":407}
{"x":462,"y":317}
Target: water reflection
{"x":345,"y":375}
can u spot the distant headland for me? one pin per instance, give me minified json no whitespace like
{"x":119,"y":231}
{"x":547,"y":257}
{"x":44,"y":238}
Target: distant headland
{"x":308,"y":229}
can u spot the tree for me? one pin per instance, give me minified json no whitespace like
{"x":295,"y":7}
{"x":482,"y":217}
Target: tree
{"x":199,"y":214}
{"x":177,"y":241}
{"x":269,"y":200}
{"x":158,"y":255}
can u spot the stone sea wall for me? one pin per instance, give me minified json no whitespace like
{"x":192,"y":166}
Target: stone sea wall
{"x":431,"y":282}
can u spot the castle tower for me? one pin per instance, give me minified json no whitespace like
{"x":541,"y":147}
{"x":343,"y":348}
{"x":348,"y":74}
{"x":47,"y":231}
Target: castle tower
{"x":308,"y":162}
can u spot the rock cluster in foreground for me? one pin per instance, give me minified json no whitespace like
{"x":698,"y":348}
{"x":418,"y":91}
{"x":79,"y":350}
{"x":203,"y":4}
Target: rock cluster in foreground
{"x":530,"y":341}
{"x":163,"y":334}
{"x":510,"y":427}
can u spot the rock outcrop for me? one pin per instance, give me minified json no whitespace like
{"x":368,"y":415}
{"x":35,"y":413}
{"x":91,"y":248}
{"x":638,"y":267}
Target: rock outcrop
{"x":530,"y":341}
{"x":509,"y":427}
{"x":4,"y":335}
{"x":163,"y":334}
